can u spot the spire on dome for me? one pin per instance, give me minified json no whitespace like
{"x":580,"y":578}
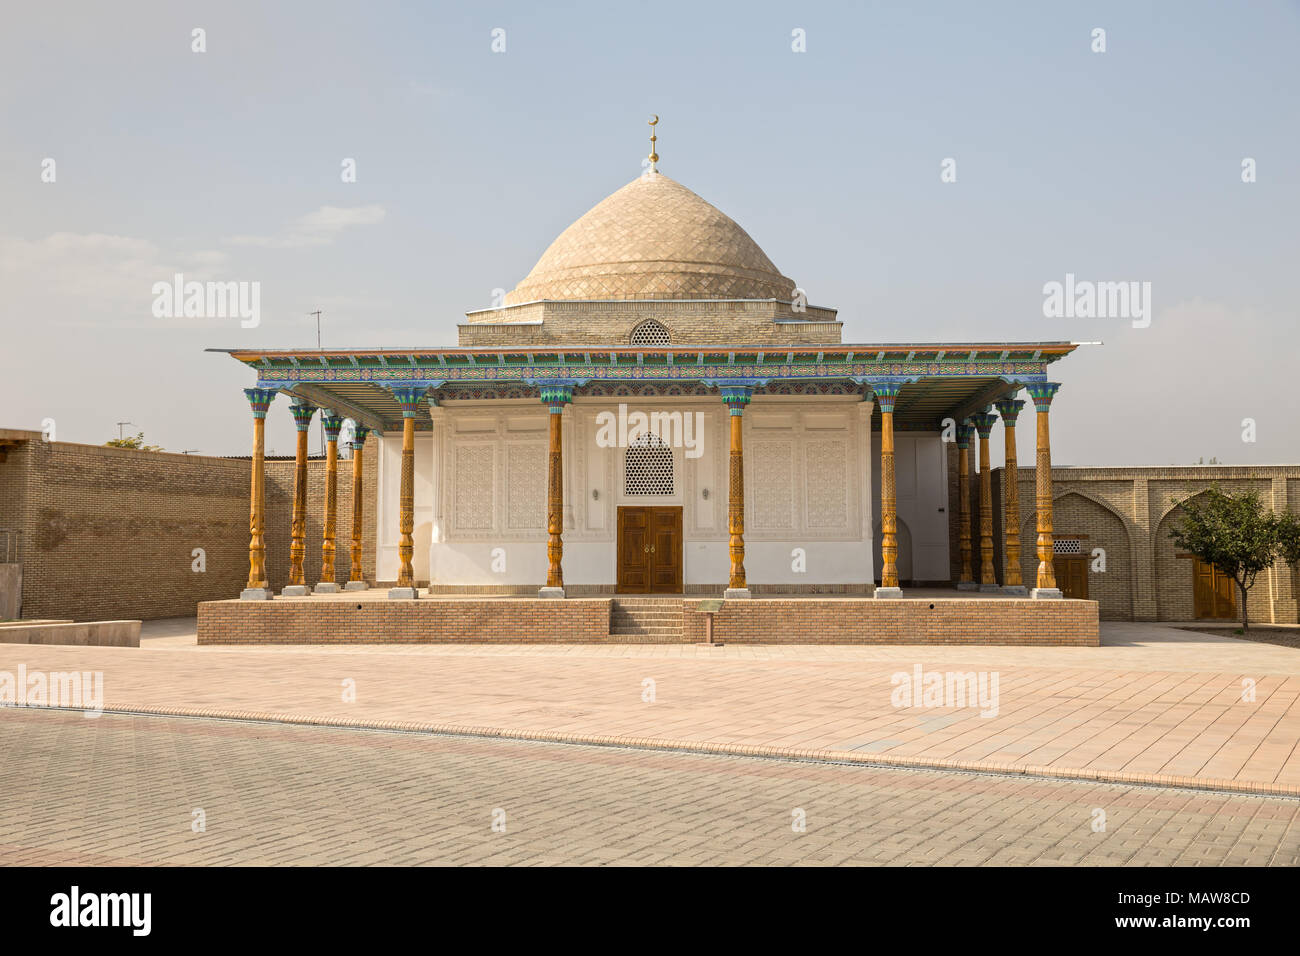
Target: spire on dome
{"x":654,"y":157}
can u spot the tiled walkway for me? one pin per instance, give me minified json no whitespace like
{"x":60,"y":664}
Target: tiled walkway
{"x":1153,"y":704}
{"x":134,"y":790}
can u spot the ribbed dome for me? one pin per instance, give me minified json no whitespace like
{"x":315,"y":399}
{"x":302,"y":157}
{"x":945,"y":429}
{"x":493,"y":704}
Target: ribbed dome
{"x":653,"y":239}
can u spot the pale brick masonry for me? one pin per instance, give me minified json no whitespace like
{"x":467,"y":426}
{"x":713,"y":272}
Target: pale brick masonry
{"x":1128,"y":512}
{"x":106,"y":533}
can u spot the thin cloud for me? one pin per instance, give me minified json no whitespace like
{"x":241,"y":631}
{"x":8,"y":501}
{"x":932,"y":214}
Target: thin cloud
{"x":319,"y":228}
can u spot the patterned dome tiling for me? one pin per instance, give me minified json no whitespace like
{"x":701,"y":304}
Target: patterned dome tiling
{"x":653,"y":239}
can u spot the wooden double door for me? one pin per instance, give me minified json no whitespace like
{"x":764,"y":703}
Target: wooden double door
{"x":650,"y":550}
{"x":1214,"y":594}
{"x":1071,"y":575}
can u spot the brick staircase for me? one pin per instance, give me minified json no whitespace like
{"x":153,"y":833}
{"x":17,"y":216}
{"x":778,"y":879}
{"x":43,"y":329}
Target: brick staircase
{"x":646,"y":620}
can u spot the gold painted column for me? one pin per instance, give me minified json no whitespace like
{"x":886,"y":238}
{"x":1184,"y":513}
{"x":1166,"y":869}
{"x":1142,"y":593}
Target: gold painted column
{"x":257,"y":589}
{"x":966,"y":578}
{"x":1012,"y":582}
{"x":333,"y":425}
{"x":356,"y":577}
{"x":1042,"y":394}
{"x":736,"y":397}
{"x":984,"y":423}
{"x":409,"y":398}
{"x":886,"y":395}
{"x":556,"y":396}
{"x":302,"y":415}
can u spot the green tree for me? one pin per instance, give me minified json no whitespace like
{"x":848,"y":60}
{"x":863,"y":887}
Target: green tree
{"x":1237,"y":535}
{"x":132,"y":441}
{"x":1290,"y":535}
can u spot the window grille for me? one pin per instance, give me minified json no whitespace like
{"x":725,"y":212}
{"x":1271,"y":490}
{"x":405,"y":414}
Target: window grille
{"x":650,"y":332}
{"x":648,"y":467}
{"x":1067,"y":546}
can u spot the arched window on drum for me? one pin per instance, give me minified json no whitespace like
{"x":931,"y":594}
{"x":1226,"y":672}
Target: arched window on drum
{"x":650,"y":332}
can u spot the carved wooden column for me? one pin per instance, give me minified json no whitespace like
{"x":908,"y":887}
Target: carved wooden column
{"x":408,"y":396}
{"x":257,"y":590}
{"x":556,"y":397}
{"x":886,"y":395}
{"x":1012,"y":582}
{"x":736,"y":398}
{"x":356,"y":577}
{"x":302,"y":415}
{"x":966,"y":579}
{"x":1042,"y":394}
{"x":333,"y":425}
{"x":984,"y":423}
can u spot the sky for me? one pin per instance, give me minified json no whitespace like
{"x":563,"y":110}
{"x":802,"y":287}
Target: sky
{"x":226,"y":165}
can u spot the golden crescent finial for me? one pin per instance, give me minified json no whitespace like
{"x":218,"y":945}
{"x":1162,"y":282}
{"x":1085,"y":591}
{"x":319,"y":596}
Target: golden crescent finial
{"x":654,"y":157}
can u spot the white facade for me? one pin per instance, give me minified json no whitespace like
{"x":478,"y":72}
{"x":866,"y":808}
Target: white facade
{"x":810,"y":470}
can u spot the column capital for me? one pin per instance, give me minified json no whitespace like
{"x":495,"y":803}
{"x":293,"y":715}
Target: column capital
{"x":1009,"y":408}
{"x":333,"y":424}
{"x":1042,"y":393}
{"x":408,"y":396}
{"x":359,"y":434}
{"x":984,"y":422}
{"x":556,"y":395}
{"x":260,"y":399}
{"x":964,"y":428}
{"x":886,"y":393}
{"x":302,"y":411}
{"x":736,"y":397}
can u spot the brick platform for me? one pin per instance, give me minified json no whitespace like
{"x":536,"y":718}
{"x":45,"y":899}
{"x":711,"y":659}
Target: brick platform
{"x":369,"y":618}
{"x":906,"y":621}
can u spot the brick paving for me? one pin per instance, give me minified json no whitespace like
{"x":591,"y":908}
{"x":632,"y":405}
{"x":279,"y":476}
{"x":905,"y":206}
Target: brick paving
{"x":121,"y":790}
{"x":1153,"y":705}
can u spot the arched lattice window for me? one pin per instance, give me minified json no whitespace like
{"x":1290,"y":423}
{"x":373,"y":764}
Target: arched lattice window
{"x":648,"y":466}
{"x":650,"y":332}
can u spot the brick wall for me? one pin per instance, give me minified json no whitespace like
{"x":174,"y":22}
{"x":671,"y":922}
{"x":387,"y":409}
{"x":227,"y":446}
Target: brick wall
{"x":109,"y":533}
{"x":338,"y":621}
{"x":690,"y":322}
{"x":581,"y":621}
{"x":903,"y":621}
{"x":1128,"y":513}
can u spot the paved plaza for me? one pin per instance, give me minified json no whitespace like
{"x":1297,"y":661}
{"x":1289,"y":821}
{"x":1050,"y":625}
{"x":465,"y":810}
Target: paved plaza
{"x":1154,"y":704}
{"x":123,"y":790}
{"x":695,"y":766}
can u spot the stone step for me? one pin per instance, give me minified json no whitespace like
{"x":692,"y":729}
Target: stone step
{"x":648,"y":619}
